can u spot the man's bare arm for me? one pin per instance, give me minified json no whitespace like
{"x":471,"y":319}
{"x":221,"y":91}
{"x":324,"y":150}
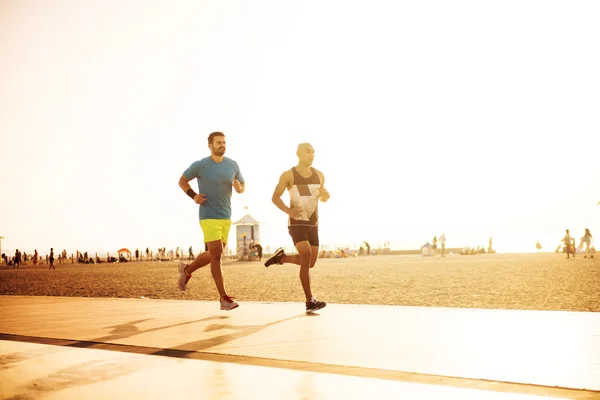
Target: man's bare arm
{"x":184,"y":184}
{"x":283,"y":184}
{"x":323,"y":193}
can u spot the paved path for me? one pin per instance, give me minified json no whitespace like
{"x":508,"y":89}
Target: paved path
{"x":55,"y":347}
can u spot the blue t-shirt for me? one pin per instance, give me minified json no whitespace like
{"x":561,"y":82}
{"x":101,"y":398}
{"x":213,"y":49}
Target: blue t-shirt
{"x":215,"y":181}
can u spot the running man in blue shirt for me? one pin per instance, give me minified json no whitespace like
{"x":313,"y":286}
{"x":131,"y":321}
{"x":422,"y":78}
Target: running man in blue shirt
{"x":216,"y":175}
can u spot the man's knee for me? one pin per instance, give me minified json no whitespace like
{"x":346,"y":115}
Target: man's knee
{"x":215,"y":249}
{"x":314,"y":255}
{"x":216,"y":254}
{"x":305,"y":254}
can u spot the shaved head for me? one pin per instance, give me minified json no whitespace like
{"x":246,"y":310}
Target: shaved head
{"x":303,"y":146}
{"x":305,"y":153}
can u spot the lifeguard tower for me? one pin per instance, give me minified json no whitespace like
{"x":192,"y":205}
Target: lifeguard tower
{"x":246,"y":232}
{"x":426,"y":250}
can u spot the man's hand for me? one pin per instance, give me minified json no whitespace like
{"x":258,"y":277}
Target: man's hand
{"x":323,"y":194}
{"x":199,"y":198}
{"x":295,"y":212}
{"x":237,"y":186}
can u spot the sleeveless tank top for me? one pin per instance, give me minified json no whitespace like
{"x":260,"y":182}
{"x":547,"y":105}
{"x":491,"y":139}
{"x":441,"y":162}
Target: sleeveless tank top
{"x":304,"y":194}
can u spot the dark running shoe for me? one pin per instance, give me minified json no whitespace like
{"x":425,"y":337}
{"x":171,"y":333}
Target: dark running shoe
{"x":275,"y":258}
{"x":314,"y":305}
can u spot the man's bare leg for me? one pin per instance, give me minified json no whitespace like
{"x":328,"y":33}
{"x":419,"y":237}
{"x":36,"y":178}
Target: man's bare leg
{"x":305,"y":256}
{"x":202,"y":260}
{"x":295,"y":259}
{"x":215,"y":250}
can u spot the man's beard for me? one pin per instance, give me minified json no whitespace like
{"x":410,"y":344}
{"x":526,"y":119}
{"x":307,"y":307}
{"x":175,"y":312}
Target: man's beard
{"x":219,"y":152}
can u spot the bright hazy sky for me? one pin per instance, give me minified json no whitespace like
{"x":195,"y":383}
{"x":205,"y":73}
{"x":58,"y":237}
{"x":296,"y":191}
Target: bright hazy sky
{"x":469,"y":118}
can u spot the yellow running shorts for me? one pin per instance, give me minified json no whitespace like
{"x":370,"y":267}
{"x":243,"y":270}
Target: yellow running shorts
{"x":215,"y":229}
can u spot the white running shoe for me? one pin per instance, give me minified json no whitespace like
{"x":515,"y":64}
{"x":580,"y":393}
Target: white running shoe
{"x":228,"y":304}
{"x":184,"y":278}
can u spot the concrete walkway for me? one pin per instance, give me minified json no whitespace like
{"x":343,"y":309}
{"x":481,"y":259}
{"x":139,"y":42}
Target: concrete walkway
{"x":53,"y":347}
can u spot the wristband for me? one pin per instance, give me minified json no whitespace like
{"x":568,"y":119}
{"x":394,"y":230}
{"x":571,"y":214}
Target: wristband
{"x":190,"y":192}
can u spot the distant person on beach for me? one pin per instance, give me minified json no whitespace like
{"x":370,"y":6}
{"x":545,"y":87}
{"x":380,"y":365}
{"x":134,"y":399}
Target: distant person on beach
{"x":587,"y":240}
{"x":216,"y":175}
{"x":259,"y":251}
{"x":434,"y":245}
{"x":306,"y":187}
{"x":443,"y":244}
{"x":191,"y":255}
{"x":17,"y":259}
{"x":568,"y":241}
{"x":51,"y":260}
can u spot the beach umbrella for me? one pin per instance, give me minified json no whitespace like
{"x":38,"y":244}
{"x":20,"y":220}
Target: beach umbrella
{"x":124,"y":250}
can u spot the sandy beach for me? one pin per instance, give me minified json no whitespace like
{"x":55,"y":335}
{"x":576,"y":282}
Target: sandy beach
{"x":544,"y":281}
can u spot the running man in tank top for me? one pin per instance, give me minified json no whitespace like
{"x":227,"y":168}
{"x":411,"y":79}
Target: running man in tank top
{"x":306,"y":187}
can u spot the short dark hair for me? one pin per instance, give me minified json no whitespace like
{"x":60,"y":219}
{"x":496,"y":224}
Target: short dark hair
{"x":214,"y":135}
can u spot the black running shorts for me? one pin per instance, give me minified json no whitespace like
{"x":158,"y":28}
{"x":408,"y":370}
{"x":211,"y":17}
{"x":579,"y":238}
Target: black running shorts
{"x":304,"y":233}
